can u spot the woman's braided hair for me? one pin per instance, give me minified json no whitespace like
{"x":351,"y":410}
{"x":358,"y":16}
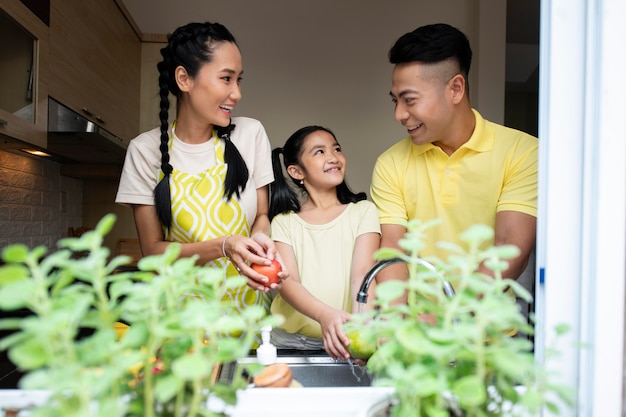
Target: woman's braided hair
{"x":191,"y":46}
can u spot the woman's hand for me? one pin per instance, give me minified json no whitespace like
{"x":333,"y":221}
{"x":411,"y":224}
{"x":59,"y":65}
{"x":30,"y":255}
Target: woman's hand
{"x":272,"y":253}
{"x":259,"y":249}
{"x":335,"y":340}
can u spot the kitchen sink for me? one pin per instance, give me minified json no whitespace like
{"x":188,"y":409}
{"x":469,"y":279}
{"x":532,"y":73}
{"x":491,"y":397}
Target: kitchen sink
{"x":311,"y":371}
{"x":337,"y":374}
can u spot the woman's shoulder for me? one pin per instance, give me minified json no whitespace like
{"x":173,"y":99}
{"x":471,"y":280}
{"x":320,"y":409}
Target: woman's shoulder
{"x":246,"y":123}
{"x":249,"y":134}
{"x":147,"y":139}
{"x":145,"y":145}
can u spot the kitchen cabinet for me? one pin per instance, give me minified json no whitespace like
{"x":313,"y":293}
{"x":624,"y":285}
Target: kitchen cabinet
{"x":95,"y":63}
{"x":23,"y":74}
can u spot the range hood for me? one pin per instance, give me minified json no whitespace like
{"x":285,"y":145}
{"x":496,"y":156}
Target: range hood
{"x":79,"y":140}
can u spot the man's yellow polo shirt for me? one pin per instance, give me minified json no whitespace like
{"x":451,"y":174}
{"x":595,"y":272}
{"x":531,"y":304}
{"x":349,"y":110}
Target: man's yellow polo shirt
{"x":495,"y":170}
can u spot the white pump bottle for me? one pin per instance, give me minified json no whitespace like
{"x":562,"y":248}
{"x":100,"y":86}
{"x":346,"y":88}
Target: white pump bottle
{"x":266,"y":353}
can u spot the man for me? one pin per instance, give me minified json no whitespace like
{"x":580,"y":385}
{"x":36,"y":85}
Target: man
{"x":454,"y":165}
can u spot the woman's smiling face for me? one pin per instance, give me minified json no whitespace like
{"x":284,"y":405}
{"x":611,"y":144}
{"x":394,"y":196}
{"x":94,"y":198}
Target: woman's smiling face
{"x":215,"y":90}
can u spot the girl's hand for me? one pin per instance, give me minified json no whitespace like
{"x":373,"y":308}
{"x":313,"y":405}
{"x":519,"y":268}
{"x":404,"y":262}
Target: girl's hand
{"x":335,"y":340}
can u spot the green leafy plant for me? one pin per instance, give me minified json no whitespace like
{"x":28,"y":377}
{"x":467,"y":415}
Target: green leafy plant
{"x":453,"y":355}
{"x":164,"y":365}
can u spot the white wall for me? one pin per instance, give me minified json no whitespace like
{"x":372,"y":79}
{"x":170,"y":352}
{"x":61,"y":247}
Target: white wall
{"x":325,"y":62}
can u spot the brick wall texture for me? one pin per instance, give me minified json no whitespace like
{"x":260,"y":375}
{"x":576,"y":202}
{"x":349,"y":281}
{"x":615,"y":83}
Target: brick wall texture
{"x":37,"y":203}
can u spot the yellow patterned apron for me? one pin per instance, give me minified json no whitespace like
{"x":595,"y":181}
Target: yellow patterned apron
{"x":200,"y":212}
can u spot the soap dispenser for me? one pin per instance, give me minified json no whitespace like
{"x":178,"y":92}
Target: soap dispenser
{"x":266,"y":353}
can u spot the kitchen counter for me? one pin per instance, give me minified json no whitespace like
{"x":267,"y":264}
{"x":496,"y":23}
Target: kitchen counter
{"x":277,"y":402}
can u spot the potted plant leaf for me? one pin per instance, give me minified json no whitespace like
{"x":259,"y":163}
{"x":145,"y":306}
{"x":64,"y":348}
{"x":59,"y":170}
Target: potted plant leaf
{"x":180,"y":330}
{"x":454,"y":354}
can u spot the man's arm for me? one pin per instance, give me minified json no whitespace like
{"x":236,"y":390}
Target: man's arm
{"x":519,"y":229}
{"x":391,"y":235}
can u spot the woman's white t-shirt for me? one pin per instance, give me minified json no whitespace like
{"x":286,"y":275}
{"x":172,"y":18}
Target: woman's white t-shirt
{"x":142,"y":165}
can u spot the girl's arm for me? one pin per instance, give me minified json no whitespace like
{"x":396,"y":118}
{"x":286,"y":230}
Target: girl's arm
{"x":330,"y":319}
{"x":362,"y":261}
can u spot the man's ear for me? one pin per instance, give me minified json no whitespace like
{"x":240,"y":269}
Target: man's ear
{"x":295,"y":172}
{"x":457,"y":88}
{"x":183,"y":79}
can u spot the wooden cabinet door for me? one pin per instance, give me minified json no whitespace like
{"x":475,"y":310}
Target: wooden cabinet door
{"x":24,"y":72}
{"x":95,"y":59}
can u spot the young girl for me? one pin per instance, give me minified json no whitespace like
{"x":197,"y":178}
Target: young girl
{"x":203,"y":180}
{"x":327,"y":242}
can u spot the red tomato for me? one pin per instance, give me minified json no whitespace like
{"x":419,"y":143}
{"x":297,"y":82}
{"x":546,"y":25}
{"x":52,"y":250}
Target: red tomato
{"x":157,"y":368}
{"x":270,"y":271}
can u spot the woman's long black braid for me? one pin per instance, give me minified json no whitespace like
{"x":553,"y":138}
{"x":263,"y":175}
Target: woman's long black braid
{"x":192,"y":46}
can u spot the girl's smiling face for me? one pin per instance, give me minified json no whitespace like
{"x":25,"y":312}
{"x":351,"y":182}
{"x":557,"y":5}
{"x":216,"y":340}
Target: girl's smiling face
{"x":322,"y":162}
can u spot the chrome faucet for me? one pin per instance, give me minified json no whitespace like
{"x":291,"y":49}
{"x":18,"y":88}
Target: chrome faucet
{"x":361,"y":296}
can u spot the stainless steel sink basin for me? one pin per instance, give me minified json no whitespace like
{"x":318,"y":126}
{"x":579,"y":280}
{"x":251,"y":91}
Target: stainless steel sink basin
{"x":312,"y":371}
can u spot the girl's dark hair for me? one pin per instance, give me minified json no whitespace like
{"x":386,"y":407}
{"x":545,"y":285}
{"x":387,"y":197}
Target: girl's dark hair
{"x":282,"y":197}
{"x":191,"y":46}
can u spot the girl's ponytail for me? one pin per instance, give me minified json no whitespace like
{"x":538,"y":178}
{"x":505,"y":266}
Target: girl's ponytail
{"x":282,"y":198}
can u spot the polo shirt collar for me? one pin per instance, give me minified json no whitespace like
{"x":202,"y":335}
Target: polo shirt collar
{"x":481,"y":140}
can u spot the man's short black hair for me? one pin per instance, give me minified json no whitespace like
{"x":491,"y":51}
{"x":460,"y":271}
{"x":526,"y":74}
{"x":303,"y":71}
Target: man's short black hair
{"x":431,"y":44}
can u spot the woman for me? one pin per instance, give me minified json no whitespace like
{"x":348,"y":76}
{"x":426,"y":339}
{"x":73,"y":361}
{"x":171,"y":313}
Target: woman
{"x":327,"y":242}
{"x":203,"y":181}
